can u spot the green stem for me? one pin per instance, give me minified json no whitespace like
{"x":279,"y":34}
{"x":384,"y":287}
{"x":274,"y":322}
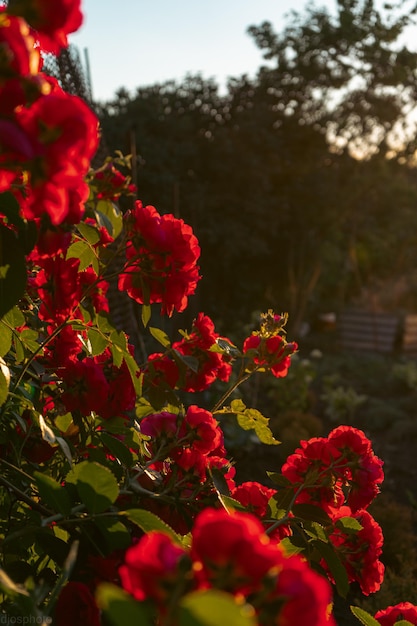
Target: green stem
{"x":241,"y":379}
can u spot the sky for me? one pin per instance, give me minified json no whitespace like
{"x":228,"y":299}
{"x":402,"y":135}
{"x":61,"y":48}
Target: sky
{"x":132,"y":43}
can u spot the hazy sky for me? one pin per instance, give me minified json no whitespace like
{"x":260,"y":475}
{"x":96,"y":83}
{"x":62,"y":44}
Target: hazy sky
{"x":133,"y":43}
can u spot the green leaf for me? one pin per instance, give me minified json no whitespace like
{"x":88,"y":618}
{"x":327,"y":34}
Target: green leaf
{"x":230,"y":504}
{"x":4,"y":383}
{"x":98,"y":342}
{"x":19,"y":349}
{"x":119,"y":339}
{"x":289,"y":546}
{"x":311,"y":512}
{"x":5,"y":338}
{"x":117,"y":355}
{"x":13,"y":274}
{"x":279,"y":479}
{"x":134,"y":370}
{"x":54,"y":495}
{"x":96,"y":485}
{"x":251,"y":419}
{"x":335,"y":566}
{"x":213,"y":607}
{"x":315,"y":531}
{"x":146,"y":314}
{"x":82,"y":251}
{"x":221,"y":487}
{"x":114,"y":533}
{"x":191,"y":362}
{"x":349,"y":525}
{"x":29,"y":339}
{"x":365,"y":618}
{"x":14,"y":317}
{"x":120,"y":609}
{"x":148,"y":521}
{"x":104,"y":323}
{"x":117,"y":448}
{"x":90,"y":233}
{"x":113,"y":217}
{"x":160,"y":336}
{"x":54,"y":546}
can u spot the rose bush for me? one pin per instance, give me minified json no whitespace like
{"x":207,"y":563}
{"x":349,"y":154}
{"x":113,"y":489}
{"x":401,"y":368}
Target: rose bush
{"x":119,"y":502}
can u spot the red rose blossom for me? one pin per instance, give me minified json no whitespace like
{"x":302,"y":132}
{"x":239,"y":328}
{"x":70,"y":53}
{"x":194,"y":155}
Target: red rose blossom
{"x":151,"y":567}
{"x":76,"y":605}
{"x":270,"y":353}
{"x":210,"y":366}
{"x":63,"y":133}
{"x":85,"y":387}
{"x":393,"y":614}
{"x":254,"y":497}
{"x":360,"y":551}
{"x":231,"y":551}
{"x":162,"y":259}
{"x":52,"y":19}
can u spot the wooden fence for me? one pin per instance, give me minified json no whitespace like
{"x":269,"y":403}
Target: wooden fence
{"x":365,"y":331}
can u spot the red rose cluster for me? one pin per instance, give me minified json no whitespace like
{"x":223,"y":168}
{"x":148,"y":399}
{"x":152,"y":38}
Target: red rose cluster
{"x":47,"y":136}
{"x":341,"y":474}
{"x":185,"y":449}
{"x":231,"y":553}
{"x":162,"y":254}
{"x":208,"y":365}
{"x":111,"y":184}
{"x":267,"y":349}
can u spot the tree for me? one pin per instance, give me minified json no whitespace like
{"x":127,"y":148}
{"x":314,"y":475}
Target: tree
{"x":347,"y":74}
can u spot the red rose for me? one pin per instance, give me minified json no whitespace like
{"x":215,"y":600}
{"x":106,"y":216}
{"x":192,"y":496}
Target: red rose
{"x":393,"y":614}
{"x":162,"y":425}
{"x":315,"y":460}
{"x":254,"y":497}
{"x":362,"y":469}
{"x":192,"y":461}
{"x":360,"y":551}
{"x":121,"y":395}
{"x":161,"y":370}
{"x":63,"y":133}
{"x":151,"y":567}
{"x":210,"y":366}
{"x":231,"y":551}
{"x":270,"y":352}
{"x":52,"y":19}
{"x":76,"y":605}
{"x":305,"y":595}
{"x":162,"y":259}
{"x":58,"y":287}
{"x":19,"y":56}
{"x":85,"y":387}
{"x":204,"y":430}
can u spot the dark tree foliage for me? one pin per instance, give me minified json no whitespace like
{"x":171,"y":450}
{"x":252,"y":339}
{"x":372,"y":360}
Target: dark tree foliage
{"x":268,"y":174}
{"x":347,"y":73}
